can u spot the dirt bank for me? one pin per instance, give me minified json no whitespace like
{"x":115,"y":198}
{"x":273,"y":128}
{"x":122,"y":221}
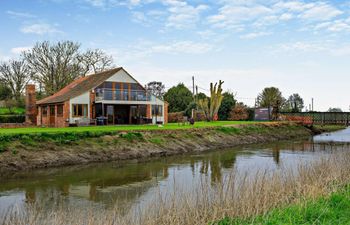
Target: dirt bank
{"x":24,"y":154}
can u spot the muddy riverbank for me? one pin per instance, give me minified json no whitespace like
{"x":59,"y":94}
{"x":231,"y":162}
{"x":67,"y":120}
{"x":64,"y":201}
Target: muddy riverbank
{"x":24,"y":153}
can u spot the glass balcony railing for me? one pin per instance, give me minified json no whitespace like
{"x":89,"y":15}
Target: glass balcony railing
{"x":122,"y":95}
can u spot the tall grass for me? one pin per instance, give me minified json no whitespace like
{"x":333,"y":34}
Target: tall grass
{"x":237,"y":195}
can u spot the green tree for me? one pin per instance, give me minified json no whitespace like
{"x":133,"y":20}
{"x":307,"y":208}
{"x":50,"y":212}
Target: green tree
{"x":210,"y":107}
{"x":335,"y":110}
{"x":228,"y":102}
{"x":178,"y":97}
{"x":5,"y":92}
{"x":294,"y":103}
{"x":270,"y":97}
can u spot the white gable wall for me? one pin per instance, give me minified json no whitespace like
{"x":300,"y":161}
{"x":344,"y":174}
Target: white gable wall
{"x":81,"y":99}
{"x":121,"y":76}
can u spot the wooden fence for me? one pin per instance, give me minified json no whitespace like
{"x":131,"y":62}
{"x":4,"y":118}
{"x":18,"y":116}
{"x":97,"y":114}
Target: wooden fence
{"x":322,"y":118}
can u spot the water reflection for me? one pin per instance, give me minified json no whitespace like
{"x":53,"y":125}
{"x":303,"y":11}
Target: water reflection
{"x":132,"y":182}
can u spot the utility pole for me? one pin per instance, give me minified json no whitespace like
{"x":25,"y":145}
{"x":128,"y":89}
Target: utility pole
{"x":194,"y":96}
{"x":312,"y":102}
{"x":193,"y":86}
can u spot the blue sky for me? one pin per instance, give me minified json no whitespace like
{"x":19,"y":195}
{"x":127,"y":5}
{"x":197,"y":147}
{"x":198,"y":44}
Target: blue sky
{"x":299,"y":46}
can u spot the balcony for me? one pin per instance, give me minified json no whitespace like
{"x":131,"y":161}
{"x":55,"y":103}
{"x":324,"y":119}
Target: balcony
{"x":103,"y":94}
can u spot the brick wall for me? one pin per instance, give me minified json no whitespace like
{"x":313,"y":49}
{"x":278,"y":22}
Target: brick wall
{"x":166,"y":115}
{"x":148,"y":112}
{"x":62,"y":121}
{"x":92,"y":102}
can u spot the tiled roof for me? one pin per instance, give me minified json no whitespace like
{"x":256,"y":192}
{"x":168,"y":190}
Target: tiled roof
{"x":78,"y":87}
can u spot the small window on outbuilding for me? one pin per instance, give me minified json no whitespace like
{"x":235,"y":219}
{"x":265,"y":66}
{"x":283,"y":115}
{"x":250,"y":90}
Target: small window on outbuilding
{"x":59,"y":110}
{"x":44,"y":110}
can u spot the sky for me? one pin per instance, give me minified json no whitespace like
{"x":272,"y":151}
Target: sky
{"x":299,"y":46}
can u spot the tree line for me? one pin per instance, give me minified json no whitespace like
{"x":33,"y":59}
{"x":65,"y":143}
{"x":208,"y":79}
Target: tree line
{"x":181,"y":99}
{"x":51,"y":66}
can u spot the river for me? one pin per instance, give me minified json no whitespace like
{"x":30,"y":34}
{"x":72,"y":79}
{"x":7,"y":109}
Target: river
{"x":134,"y":183}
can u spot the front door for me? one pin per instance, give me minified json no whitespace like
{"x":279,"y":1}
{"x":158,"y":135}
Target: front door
{"x":52,"y":115}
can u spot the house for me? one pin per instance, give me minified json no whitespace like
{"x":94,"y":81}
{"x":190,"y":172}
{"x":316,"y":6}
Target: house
{"x":110,"y":97}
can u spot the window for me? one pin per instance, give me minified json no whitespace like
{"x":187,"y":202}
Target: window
{"x":44,"y":110}
{"x":157,"y":110}
{"x":52,"y":110}
{"x":125,"y":91}
{"x":80,"y":110}
{"x":60,"y":110}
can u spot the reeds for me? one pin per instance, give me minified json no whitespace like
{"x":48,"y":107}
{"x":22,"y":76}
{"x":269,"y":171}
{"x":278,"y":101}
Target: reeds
{"x":237,"y":195}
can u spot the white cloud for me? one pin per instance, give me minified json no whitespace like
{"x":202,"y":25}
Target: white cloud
{"x":231,"y":16}
{"x":40,"y":29}
{"x":182,"y":15}
{"x":286,"y":16}
{"x":20,"y":14}
{"x":19,"y":50}
{"x":303,"y":46}
{"x":97,"y":3}
{"x":320,"y":12}
{"x":254,"y":35}
{"x":139,"y":17}
{"x":186,"y":47}
{"x":255,"y":13}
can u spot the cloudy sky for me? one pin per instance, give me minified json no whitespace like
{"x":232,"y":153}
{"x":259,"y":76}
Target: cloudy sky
{"x":299,"y":46}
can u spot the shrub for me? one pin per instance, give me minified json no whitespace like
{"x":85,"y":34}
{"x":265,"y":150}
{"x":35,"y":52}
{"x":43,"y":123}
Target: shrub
{"x":12,"y":118}
{"x":175,"y":117}
{"x":239,"y":112}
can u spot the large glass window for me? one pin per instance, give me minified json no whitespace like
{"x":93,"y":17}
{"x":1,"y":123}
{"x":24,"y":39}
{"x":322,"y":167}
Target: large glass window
{"x":125,"y":91}
{"x":157,"y":110}
{"x":80,"y":110}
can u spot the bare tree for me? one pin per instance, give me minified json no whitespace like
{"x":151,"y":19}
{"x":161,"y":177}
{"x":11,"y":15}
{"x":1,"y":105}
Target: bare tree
{"x":16,"y":75}
{"x":54,"y":65}
{"x":96,"y":60}
{"x":156,"y":88}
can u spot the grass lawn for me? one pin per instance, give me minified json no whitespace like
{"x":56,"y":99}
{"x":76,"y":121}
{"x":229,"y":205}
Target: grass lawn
{"x":170,"y":126}
{"x":17,"y":111}
{"x":334,"y":209}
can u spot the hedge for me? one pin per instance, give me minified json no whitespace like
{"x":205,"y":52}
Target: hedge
{"x":12,"y":118}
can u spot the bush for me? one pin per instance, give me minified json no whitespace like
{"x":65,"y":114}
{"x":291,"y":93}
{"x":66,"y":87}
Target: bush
{"x":175,"y":117}
{"x":239,"y":112}
{"x":12,"y":118}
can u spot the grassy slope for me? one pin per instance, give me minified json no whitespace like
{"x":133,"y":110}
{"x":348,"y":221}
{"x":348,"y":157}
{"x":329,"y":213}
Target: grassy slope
{"x":334,"y":209}
{"x":170,"y":126}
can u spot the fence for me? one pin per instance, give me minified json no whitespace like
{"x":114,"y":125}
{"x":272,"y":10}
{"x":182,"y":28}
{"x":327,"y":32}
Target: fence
{"x":322,"y":118}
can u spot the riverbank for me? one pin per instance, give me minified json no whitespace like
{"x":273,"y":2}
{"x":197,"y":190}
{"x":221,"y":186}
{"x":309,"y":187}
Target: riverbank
{"x":239,"y":192}
{"x":25,"y":150}
{"x":331,"y":209}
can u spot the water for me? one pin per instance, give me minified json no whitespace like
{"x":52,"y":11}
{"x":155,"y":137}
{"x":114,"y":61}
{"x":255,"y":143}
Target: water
{"x":134,"y":183}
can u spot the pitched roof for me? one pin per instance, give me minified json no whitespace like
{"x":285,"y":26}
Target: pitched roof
{"x":79,"y":86}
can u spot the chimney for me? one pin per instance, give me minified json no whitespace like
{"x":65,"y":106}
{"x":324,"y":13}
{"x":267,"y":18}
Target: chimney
{"x":31,"y":104}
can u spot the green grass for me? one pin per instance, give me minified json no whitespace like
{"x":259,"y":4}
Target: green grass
{"x":334,"y":209}
{"x":17,"y":111}
{"x":170,"y":126}
{"x":330,"y":128}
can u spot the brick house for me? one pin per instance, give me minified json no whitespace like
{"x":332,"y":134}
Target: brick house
{"x":110,"y":97}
